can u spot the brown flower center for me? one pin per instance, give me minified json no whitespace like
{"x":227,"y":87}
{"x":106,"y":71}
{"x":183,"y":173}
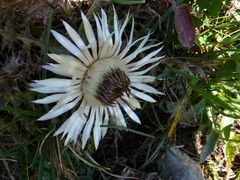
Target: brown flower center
{"x":113,"y":85}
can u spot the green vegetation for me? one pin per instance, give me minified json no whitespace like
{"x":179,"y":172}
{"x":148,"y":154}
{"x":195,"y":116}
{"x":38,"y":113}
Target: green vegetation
{"x":201,"y":83}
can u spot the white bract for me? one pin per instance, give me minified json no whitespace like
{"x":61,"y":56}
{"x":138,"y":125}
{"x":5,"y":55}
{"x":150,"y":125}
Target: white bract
{"x":102,"y":78}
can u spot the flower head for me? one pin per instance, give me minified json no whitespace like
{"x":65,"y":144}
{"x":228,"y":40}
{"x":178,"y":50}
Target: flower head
{"x":102,"y":78}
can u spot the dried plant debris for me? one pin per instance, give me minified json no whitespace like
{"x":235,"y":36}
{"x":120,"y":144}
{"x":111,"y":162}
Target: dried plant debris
{"x":12,"y":65}
{"x":159,"y":7}
{"x":23,"y":11}
{"x":7,"y":84}
{"x":36,"y":12}
{"x":16,"y":70}
{"x":177,"y":165}
{"x":129,"y":173}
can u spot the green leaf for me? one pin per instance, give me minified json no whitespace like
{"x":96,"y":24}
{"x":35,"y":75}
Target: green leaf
{"x":197,"y":21}
{"x":213,"y":6}
{"x":19,"y":111}
{"x":210,"y":144}
{"x":211,"y":97}
{"x":45,"y":48}
{"x":154,"y":154}
{"x":231,"y":150}
{"x":182,"y":73}
{"x":165,"y":16}
{"x":229,"y":66}
{"x":226,"y":124}
{"x":227,"y":75}
{"x":45,"y":44}
{"x":40,"y":167}
{"x":52,"y":156}
{"x":213,"y":169}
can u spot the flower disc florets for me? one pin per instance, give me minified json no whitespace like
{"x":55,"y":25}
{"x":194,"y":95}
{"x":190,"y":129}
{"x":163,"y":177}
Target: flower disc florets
{"x":102,"y":78}
{"x":113,"y":85}
{"x":103,"y":81}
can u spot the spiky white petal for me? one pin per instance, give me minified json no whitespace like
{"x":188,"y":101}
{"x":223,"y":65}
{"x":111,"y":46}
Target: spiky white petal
{"x":130,"y":113}
{"x":97,"y":129}
{"x":52,"y":114}
{"x":88,"y":127}
{"x":138,"y":73}
{"x":132,"y":101}
{"x":79,"y":42}
{"x":46,"y":89}
{"x":143,"y":96}
{"x":77,"y":125}
{"x":120,"y":116}
{"x":142,"y":79}
{"x":86,"y":68}
{"x":107,"y":37}
{"x":67,"y":60}
{"x":49,"y":99}
{"x":69,"y":46}
{"x":105,"y":122}
{"x":56,"y":82}
{"x":66,"y":98}
{"x":90,"y":35}
{"x":146,"y":60}
{"x":137,"y":51}
{"x":146,"y":88}
{"x":60,"y":70}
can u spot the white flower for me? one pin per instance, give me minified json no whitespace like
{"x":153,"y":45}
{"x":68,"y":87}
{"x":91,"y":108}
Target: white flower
{"x":102,"y":79}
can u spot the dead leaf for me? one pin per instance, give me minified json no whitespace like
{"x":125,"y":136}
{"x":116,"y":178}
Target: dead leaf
{"x":184,"y":24}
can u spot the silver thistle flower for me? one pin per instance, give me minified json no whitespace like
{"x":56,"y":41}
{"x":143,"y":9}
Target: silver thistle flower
{"x":102,"y":79}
